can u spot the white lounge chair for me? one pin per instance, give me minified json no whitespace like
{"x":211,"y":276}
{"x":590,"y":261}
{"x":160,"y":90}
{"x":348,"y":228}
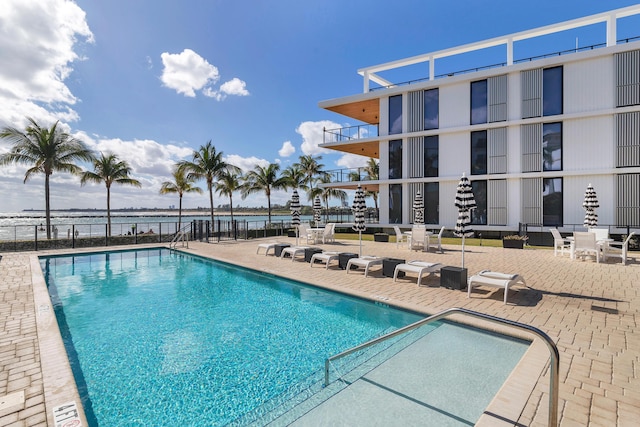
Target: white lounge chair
{"x":268,"y":246}
{"x":364,"y":262}
{"x":419,"y":267}
{"x":496,"y":280}
{"x":439,"y":241}
{"x":400,"y":236}
{"x":617,"y":249}
{"x":325,"y":257}
{"x":584,"y":243}
{"x":294,"y":251}
{"x":559,"y":242}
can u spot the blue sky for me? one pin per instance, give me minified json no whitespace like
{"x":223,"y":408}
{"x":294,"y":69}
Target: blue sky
{"x":153,"y":80}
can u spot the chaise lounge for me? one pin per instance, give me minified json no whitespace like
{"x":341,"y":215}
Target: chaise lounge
{"x":494,"y":279}
{"x":325,"y":257}
{"x":294,"y":251}
{"x":419,"y":267}
{"x":364,"y":262}
{"x":269,"y":246}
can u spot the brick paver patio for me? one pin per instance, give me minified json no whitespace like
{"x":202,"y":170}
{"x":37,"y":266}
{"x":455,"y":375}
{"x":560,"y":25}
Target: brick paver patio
{"x":591,"y":311}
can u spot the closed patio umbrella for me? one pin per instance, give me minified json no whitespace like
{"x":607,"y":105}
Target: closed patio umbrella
{"x":317,"y":210}
{"x":359,"y":207}
{"x":418,"y":209}
{"x":294,"y":206}
{"x":465,"y":201}
{"x":590,"y":204}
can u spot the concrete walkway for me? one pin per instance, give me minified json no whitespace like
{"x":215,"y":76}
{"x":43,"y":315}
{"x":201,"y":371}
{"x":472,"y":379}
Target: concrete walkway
{"x":592,"y":312}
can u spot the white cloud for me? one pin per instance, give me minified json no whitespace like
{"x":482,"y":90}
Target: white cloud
{"x":351,"y":161}
{"x":234,"y":86}
{"x":287,"y":149}
{"x":245,"y":163}
{"x":187,"y":72}
{"x":312,"y":136}
{"x":39,"y":38}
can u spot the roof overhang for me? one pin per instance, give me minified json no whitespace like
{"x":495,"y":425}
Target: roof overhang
{"x":366,"y":148}
{"x":365,"y":110}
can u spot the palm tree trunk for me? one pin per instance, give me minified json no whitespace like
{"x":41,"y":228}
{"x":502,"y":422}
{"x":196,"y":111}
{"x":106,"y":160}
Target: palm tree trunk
{"x":269,"y":206}
{"x":47,"y":205}
{"x":179,"y":214}
{"x":210,"y":185}
{"x":231,"y":207}
{"x":108,"y":211}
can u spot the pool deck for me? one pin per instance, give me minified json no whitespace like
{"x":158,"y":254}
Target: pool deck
{"x":591,"y":311}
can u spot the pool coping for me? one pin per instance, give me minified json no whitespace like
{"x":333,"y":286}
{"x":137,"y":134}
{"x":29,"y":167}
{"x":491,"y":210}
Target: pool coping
{"x":60,"y":387}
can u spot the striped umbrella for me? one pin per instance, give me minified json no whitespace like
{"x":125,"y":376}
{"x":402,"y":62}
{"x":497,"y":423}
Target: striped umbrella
{"x":317,"y":210}
{"x":294,"y":206}
{"x":590,"y":204}
{"x":418,"y":209}
{"x":464,"y":202}
{"x":359,"y":207}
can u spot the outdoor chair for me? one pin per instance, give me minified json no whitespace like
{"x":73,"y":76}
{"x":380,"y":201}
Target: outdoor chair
{"x":400,"y":236}
{"x":439,"y":241}
{"x":364,"y":262}
{"x":419,"y":267}
{"x":496,"y":280}
{"x":418,"y":238}
{"x":559,"y":242}
{"x":325,"y":257}
{"x":328,"y":235}
{"x":584,"y":243}
{"x":269,"y":246}
{"x":601,"y":233}
{"x":617,"y":249}
{"x":294,"y":251}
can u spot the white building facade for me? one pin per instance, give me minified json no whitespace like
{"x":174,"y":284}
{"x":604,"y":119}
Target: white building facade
{"x":530,"y":135}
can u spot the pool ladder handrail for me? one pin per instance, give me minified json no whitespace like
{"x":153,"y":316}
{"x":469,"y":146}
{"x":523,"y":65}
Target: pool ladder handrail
{"x":181,"y":236}
{"x":553,"y":349}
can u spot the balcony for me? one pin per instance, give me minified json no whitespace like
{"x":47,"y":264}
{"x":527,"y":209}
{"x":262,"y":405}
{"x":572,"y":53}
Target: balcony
{"x":350,"y":133}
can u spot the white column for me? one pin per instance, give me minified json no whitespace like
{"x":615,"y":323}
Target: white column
{"x":365,"y":79}
{"x":432,"y":68}
{"x":510,"y":51}
{"x":611,"y":30}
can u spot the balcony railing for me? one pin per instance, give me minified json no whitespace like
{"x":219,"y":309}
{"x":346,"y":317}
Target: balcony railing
{"x":350,"y":133}
{"x":348,"y":175}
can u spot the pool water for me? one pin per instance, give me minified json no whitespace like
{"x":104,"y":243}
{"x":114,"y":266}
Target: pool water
{"x":157,"y":337}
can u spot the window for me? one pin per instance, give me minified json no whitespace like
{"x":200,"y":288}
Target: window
{"x":552,"y":146}
{"x":479,"y":152}
{"x":395,"y":159}
{"x":431,"y":109}
{"x":431,"y":156}
{"x":431,"y":203}
{"x":395,"y":114}
{"x":479,"y":102}
{"x":395,"y":204}
{"x":552,"y":202}
{"x":552,"y":91}
{"x":479,"y":214}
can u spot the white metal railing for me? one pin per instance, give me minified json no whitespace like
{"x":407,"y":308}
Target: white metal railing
{"x":181,"y":236}
{"x":553,"y":349}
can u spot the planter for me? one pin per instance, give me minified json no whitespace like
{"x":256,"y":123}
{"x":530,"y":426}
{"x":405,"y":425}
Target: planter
{"x":513,"y":244}
{"x":381,"y":237}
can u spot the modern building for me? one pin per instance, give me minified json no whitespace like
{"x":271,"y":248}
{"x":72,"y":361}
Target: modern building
{"x":530,"y":134}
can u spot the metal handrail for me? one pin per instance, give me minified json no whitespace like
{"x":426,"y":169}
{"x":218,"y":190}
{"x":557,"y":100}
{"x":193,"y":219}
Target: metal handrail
{"x":553,"y":349}
{"x":180,"y":235}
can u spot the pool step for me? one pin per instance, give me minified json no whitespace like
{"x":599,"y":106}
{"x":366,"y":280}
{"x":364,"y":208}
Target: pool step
{"x":284,"y":409}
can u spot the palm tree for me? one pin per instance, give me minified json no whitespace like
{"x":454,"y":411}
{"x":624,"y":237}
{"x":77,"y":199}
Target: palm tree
{"x":228,"y":182}
{"x":109,"y":169}
{"x":264,"y":179}
{"x":372,"y":169}
{"x":46,"y":151}
{"x":327,"y":193}
{"x":312,"y":171}
{"x":295,"y":177}
{"x":206,"y":164}
{"x":180,"y":185}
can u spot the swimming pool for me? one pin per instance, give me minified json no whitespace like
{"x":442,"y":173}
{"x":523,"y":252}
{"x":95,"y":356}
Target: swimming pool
{"x":162,"y":338}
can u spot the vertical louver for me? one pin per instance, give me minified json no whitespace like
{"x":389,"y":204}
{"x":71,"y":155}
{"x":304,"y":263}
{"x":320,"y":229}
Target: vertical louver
{"x":497,"y":202}
{"x":532,"y":200}
{"x":531,"y":147}
{"x":531,"y":87}
{"x":497,"y":98}
{"x":415,"y":157}
{"x":497,"y":150}
{"x":627,"y":78}
{"x":628,"y":200}
{"x":416,"y":111}
{"x":627,"y":139}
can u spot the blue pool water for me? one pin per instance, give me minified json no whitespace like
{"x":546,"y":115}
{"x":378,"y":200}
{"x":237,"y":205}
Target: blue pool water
{"x":161,"y":338}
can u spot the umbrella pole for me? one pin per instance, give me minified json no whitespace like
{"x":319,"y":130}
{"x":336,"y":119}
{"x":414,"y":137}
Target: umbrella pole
{"x":297,"y":233}
{"x":462,"y":251}
{"x":360,"y":234}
